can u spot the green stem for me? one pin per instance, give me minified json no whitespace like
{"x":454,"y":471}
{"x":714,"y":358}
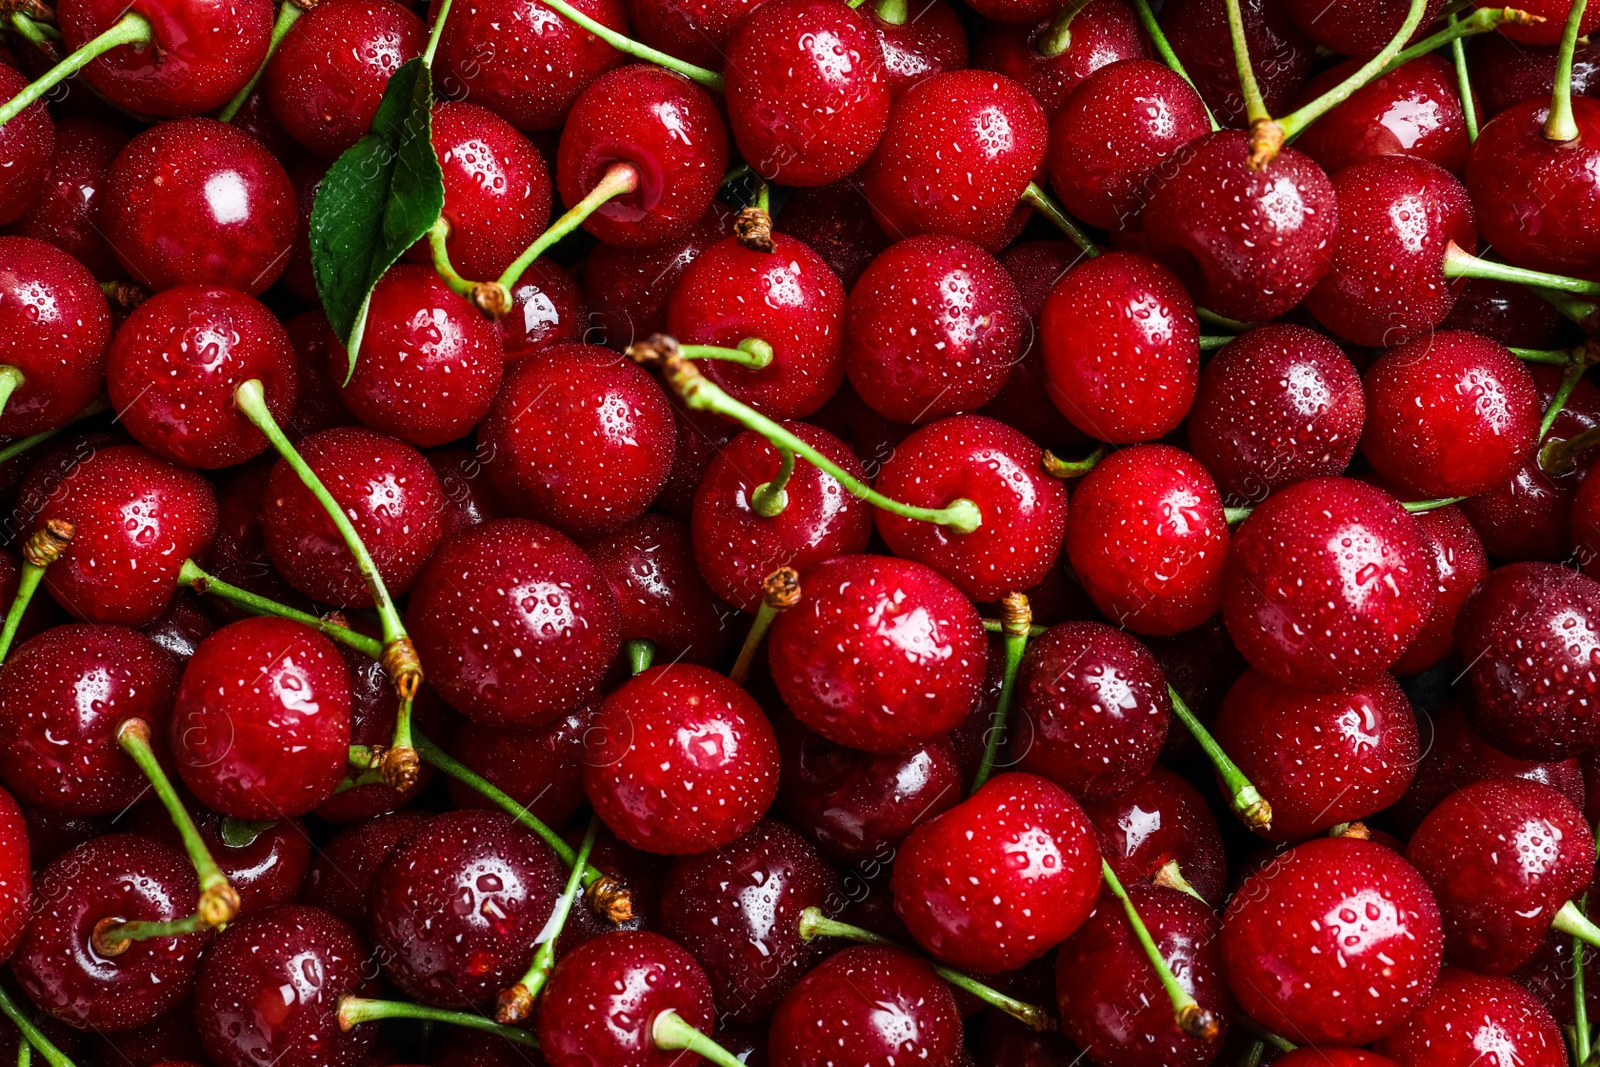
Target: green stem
{"x":1469,"y":107}
{"x":112,"y":940}
{"x":131,"y":29}
{"x":192,"y":576}
{"x":1558,"y":455}
{"x":1459,"y":263}
{"x":1017,"y":623}
{"x":289,"y":13}
{"x":43,"y":37}
{"x":1057,"y":37}
{"x":24,"y":1054}
{"x":1554,"y":357}
{"x":770,"y":498}
{"x":438,"y":236}
{"x":706,"y":79}
{"x":1247,"y":802}
{"x":1417,"y":507}
{"x":669,"y":1031}
{"x":763,"y":202}
{"x":1152,"y":28}
{"x":1296,"y":122}
{"x":1560,"y":125}
{"x":27,"y":584}
{"x":995,"y":626}
{"x":35,"y":1037}
{"x":1576,"y":365}
{"x":1263,"y":1033}
{"x":516,"y":1003}
{"x":640,"y":653}
{"x":1191,"y":1018}
{"x":434,"y":34}
{"x":1213,"y":342}
{"x":780,"y":591}
{"x":1211,"y":318}
{"x":1580,"y":1002}
{"x":752,"y":352}
{"x":22,"y":444}
{"x":1255,"y":106}
{"x":353,"y":1011}
{"x":1040,"y":201}
{"x":11,"y":379}
{"x":1569,"y":920}
{"x":1582,"y":312}
{"x":618,"y":180}
{"x":1067,"y":469}
{"x":1234,"y":516}
{"x":1484,"y":20}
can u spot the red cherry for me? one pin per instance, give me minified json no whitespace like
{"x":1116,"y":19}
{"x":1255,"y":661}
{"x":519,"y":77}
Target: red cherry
{"x":836,"y":222}
{"x":807,"y":93}
{"x":941,"y":167}
{"x":340,"y":879}
{"x":1414,"y":110}
{"x":915,"y":47}
{"x":1552,"y":17}
{"x":316,"y":402}
{"x":1459,"y":562}
{"x":1280,"y":53}
{"x":1327,"y":582}
{"x":680,"y":760}
{"x":16,"y":876}
{"x":66,"y":213}
{"x":627,"y":288}
{"x":678,"y":175}
{"x":546,"y":309}
{"x":1506,"y":72}
{"x":1159,"y":820}
{"x":264,"y":863}
{"x":1099,"y":34}
{"x":964,"y":897}
{"x":306,"y":177}
{"x":54,"y":328}
{"x":27,"y":144}
{"x":1356,"y":27}
{"x":693,"y":30}
{"x":469,"y":499}
{"x":196,"y":201}
{"x":1335,"y":941}
{"x":660,"y":595}
{"x":1332,"y":1056}
{"x":328,"y":74}
{"x":540,"y":767}
{"x":1470,"y":1014}
{"x":178,"y":360}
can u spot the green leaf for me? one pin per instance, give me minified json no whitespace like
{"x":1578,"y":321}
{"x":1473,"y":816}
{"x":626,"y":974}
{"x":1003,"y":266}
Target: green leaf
{"x":376,"y":201}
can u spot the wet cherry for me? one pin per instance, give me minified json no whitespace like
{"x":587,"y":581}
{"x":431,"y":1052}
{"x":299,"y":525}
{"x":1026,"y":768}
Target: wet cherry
{"x":54,"y":329}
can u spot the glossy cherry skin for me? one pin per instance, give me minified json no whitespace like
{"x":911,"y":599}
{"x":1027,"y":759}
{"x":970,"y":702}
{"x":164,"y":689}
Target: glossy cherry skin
{"x":137,"y":519}
{"x":1101,"y":33}
{"x":203,"y":51}
{"x":660,"y":595}
{"x":119,"y":876}
{"x":429,"y":362}
{"x":881,"y":654}
{"x":692,"y":30}
{"x":1414,"y":110}
{"x":736,"y":548}
{"x":600,"y":1006}
{"x":196,"y":201}
{"x":264,"y":862}
{"x":316,"y":402}
{"x":66,"y":211}
{"x":62,"y":696}
{"x":836,"y":223}
{"x":680,"y":760}
{"x":1506,"y":72}
{"x":737,"y":911}
{"x":1474,"y":1017}
{"x":678,"y":174}
{"x":867,"y":1004}
{"x":969,"y":457}
{"x":16,"y":876}
{"x":469,"y":499}
{"x":1276,"y":405}
{"x":1327,"y":582}
{"x":1502,"y":856}
{"x":1333,"y":1056}
{"x":1280,"y":53}
{"x":1121,"y":348}
{"x":934,"y":327}
{"x":1553,"y":17}
{"x":177,"y":362}
{"x":1359,"y":28}
{"x":1249,"y":245}
{"x":1159,"y":820}
{"x":958,"y":152}
{"x":27,"y":143}
{"x":627,"y":288}
{"x":457,"y":906}
{"x":917,"y":48}
{"x":328,"y":74}
{"x":1459,"y":562}
{"x":540,"y":767}
{"x":1336,"y":940}
{"x":340,"y":880}
{"x":515,"y":623}
{"x":546,"y":309}
{"x":1104,"y":980}
{"x":54,"y":328}
{"x":1001,"y":878}
{"x":808,"y":97}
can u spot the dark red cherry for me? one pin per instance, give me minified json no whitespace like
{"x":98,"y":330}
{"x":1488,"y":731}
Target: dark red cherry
{"x":66,"y":212}
{"x":428,"y":365}
{"x":1502,"y":856}
{"x":678,"y":173}
{"x":1147,"y":539}
{"x":680,"y":760}
{"x":469,"y":499}
{"x":1449,"y":414}
{"x":944,"y":167}
{"x":1327,"y":582}
{"x":1509,"y":313}
{"x":1111,"y":143}
{"x":516,"y":624}
{"x":238,"y":554}
{"x":1528,"y":636}
{"x":16,"y":877}
{"x":202,"y":53}
{"x":340,"y":879}
{"x":881,"y":654}
{"x":328,"y":74}
{"x":808,"y":96}
{"x":306,"y":177}
{"x":969,"y":457}
{"x":866,"y":1004}
{"x":1552,"y":20}
{"x":54,"y":328}
{"x":692,"y":30}
{"x":546,"y":309}
{"x":125,"y":877}
{"x":660,"y":595}
{"x":1333,"y":1056}
{"x":916,"y":44}
{"x":264,"y":862}
{"x":62,"y":696}
{"x":1121,"y":348}
{"x":935,"y":325}
{"x":1459,"y":562}
{"x":1099,"y":34}
{"x":196,"y":201}
{"x":496,"y":189}
{"x":1506,"y":72}
{"x":1356,"y":27}
{"x":1159,"y":820}
{"x":581,"y":438}
{"x":540,"y":767}
{"x":1001,"y":878}
{"x":1280,"y":53}
{"x":1104,"y":980}
{"x":177,"y":362}
{"x":788,"y":298}
{"x":316,"y":402}
{"x":1476,"y":1017}
{"x":261,"y":728}
{"x":270,"y":989}
{"x":51,"y":832}
{"x":524,"y":62}
{"x":1276,"y":405}
{"x":627,"y":288}
{"x":27,"y":143}
{"x":736,"y":548}
{"x":1414,"y":110}
{"x":1249,"y":244}
{"x":458,"y":904}
{"x":836,"y":222}
{"x":1335,"y":941}
{"x":137,"y":519}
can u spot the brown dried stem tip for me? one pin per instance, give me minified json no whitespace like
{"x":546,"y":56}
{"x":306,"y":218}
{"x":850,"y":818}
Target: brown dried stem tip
{"x":33,"y":9}
{"x":491,"y":298}
{"x":1016,"y":615}
{"x":1257,"y":815}
{"x":103,"y":943}
{"x":513,"y":1005}
{"x":1356,"y":830}
{"x":47,"y":544}
{"x":1266,"y":141}
{"x":1199,"y":1023}
{"x":219,"y":904}
{"x":610,"y":899}
{"x":400,"y":767}
{"x":654,"y":351}
{"x":403,"y":666}
{"x":781,"y":589}
{"x":126,"y":295}
{"x":752,"y":227}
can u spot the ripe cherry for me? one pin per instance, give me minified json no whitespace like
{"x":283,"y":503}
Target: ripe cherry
{"x":27,"y":143}
{"x":1280,"y":53}
{"x":340,"y":880}
{"x":469,"y":499}
{"x":546,"y":309}
{"x":1359,"y":28}
{"x":1414,"y":110}
{"x":66,"y":212}
{"x":916,"y":46}
{"x":1459,"y":562}
{"x":54,"y":331}
{"x":1469,"y":1014}
{"x":692,"y":30}
{"x":264,"y":862}
{"x":1051,"y":59}
{"x":1506,"y":72}
{"x":1552,"y":18}
{"x":660,"y":595}
{"x":316,"y":402}
{"x":16,"y":876}
{"x":627,"y":288}
{"x":540,"y":767}
{"x":1157,"y":821}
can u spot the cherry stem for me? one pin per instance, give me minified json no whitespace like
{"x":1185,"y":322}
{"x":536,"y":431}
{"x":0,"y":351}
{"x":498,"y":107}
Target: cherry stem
{"x":1417,"y":507}
{"x":780,"y":591}
{"x":1560,"y":125}
{"x":1170,"y":875}
{"x":1057,"y":37}
{"x":41,"y":549}
{"x":1066,"y":469}
{"x":438,"y":235}
{"x":1040,"y":201}
{"x":353,"y":1011}
{"x":1264,"y":1034}
{"x":640,"y":653}
{"x":1235,"y":516}
{"x":770,"y":498}
{"x":1191,"y":1018}
{"x":1578,"y":362}
{"x":11,"y":379}
{"x":619,"y":179}
{"x":24,"y":1054}
{"x":35,"y":1037}
{"x":434,"y":34}
{"x":1570,"y":920}
{"x":131,"y":28}
{"x":752,"y":352}
{"x":1469,"y":107}
{"x":289,"y":13}
{"x":1254,"y":104}
{"x":1213,"y":342}
{"x":1211,"y":318}
{"x":111,"y":938}
{"x":1152,"y":28}
{"x":1582,"y":312}
{"x":706,"y":79}
{"x":1294,"y":124}
{"x":1247,"y":802}
{"x":670,"y":1031}
{"x":1558,"y":455}
{"x":516,"y":1004}
{"x":1014,"y":625}
{"x":22,"y":444}
{"x":1484,"y":20}
{"x":1554,"y":357}
{"x":995,"y":626}
{"x":219,"y":903}
{"x":813,"y":924}
{"x":42,"y":35}
{"x":1580,"y":1004}
{"x":1459,"y":263}
{"x":193,"y":577}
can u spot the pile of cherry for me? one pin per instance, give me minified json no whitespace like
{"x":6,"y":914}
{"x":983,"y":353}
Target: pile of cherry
{"x":743,"y":617}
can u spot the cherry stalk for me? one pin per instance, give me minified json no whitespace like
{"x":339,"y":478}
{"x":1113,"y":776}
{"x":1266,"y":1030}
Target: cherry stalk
{"x":131,"y":29}
{"x":193,"y":577}
{"x":1561,"y":126}
{"x":289,"y":12}
{"x":38,"y":552}
{"x":1015,"y":624}
{"x":780,"y":591}
{"x":1247,"y":801}
{"x":1147,"y":19}
{"x":1191,"y":1018}
{"x":1459,"y":263}
{"x":514,"y":1005}
{"x":32,"y":1036}
{"x":353,"y":1011}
